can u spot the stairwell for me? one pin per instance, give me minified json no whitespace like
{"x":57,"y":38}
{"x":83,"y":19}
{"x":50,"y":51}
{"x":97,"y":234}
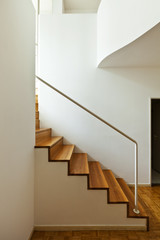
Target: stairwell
{"x":72,"y":193}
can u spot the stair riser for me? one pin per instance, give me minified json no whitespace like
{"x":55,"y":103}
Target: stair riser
{"x":42,"y":136}
{"x":54,"y":150}
{"x":36,"y":107}
{"x":37,"y":124}
{"x":37,"y":115}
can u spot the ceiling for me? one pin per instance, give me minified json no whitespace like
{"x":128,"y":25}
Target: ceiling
{"x":143,"y":52}
{"x":81,"y":6}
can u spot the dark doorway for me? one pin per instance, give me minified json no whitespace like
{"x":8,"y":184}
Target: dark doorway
{"x":155,"y":140}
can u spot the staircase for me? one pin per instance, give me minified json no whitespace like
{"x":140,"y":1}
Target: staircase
{"x":74,"y":193}
{"x":37,"y":121}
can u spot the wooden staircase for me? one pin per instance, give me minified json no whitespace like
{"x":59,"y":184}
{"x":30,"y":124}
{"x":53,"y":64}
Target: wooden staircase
{"x":117,"y":190}
{"x":37,"y":121}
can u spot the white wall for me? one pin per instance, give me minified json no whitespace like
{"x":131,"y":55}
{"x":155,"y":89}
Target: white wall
{"x":121,"y":22}
{"x":120,"y":96}
{"x":34,"y":2}
{"x":16,"y":119}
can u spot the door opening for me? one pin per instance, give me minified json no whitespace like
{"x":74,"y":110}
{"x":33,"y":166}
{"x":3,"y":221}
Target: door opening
{"x":155,"y":141}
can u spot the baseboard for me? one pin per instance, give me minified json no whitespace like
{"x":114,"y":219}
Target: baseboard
{"x":139,"y":185}
{"x":89,"y":228}
{"x":30,"y":236}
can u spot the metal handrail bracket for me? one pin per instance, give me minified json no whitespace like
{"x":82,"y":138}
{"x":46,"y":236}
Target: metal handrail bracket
{"x":135,"y":210}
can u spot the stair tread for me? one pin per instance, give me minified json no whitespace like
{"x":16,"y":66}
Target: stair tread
{"x":42,"y":130}
{"x":129,"y":194}
{"x":116,"y":194}
{"x":79,"y":164}
{"x":64,"y":153}
{"x":49,"y":142}
{"x":96,"y":176}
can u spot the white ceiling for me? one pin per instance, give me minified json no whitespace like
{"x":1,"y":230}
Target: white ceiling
{"x":143,"y":52}
{"x":80,"y":6}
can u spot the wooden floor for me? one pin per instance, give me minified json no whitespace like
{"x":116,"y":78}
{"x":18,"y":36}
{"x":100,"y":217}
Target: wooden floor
{"x":151,"y":199}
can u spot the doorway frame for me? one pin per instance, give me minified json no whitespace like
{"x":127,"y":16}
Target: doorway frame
{"x":150,"y":134}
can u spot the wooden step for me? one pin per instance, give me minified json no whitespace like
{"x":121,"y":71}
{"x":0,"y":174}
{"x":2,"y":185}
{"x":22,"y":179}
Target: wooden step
{"x":79,"y":164}
{"x":36,"y":98}
{"x":64,"y":153}
{"x":130,"y":197}
{"x":55,"y":149}
{"x":48,"y":143}
{"x":43,"y":134}
{"x":37,"y":115}
{"x":116,"y":195}
{"x":36,"y":107}
{"x":37,"y":122}
{"x":96,"y":176}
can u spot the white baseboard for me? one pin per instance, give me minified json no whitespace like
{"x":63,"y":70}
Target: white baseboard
{"x":139,"y":185}
{"x":89,"y":228}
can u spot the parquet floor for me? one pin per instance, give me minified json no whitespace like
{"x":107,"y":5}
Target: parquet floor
{"x":151,"y":203}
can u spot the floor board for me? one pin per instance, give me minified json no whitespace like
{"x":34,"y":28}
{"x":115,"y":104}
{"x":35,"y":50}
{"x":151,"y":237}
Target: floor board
{"x":151,"y":203}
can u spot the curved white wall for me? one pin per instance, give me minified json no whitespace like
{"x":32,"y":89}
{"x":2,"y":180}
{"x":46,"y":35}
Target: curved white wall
{"x":121,"y":22}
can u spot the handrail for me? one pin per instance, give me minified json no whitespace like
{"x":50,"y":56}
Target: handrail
{"x":111,"y":126}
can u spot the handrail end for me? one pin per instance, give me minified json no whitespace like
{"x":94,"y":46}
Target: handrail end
{"x":136,"y":211}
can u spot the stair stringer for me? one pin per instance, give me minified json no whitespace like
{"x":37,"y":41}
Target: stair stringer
{"x":66,"y":202}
